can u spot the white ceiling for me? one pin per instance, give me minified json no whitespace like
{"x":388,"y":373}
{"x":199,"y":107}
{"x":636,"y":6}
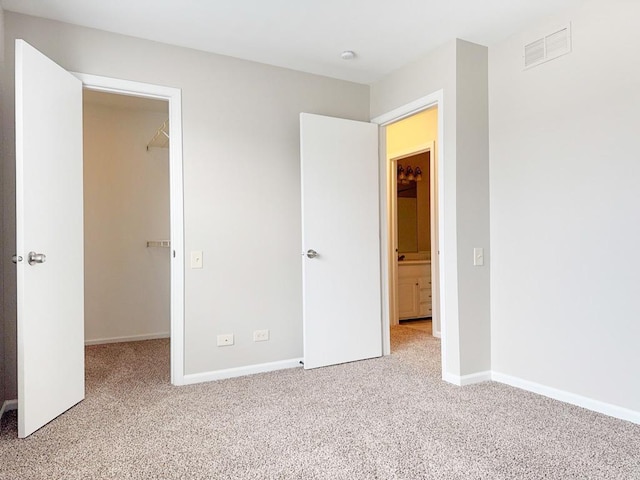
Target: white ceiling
{"x":305,"y":35}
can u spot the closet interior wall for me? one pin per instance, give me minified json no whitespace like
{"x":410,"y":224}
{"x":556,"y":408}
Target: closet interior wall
{"x":126,"y":196}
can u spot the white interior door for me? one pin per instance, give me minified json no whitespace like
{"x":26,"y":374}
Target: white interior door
{"x":49,"y":222}
{"x":341,"y":223}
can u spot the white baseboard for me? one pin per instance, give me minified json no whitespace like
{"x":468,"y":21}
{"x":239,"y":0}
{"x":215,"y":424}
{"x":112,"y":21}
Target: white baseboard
{"x":437,"y":334}
{"x":568,"y":397}
{"x":130,"y":338}
{"x":7,"y":406}
{"x":241,"y":371}
{"x":462,"y":380}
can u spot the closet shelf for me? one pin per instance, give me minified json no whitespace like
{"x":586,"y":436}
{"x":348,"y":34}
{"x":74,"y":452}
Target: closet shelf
{"x":159,"y":243}
{"x":161,"y":137}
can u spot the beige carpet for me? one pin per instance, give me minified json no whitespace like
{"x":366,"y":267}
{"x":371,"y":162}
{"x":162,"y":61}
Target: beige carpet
{"x":387,"y":418}
{"x":422,"y":325}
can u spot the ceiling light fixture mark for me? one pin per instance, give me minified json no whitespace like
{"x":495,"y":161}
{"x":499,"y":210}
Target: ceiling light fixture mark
{"x":348,"y":55}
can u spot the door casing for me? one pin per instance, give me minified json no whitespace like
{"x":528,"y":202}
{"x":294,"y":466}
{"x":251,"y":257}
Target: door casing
{"x":176,"y":198}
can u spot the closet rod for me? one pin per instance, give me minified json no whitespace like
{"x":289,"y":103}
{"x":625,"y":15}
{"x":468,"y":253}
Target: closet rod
{"x":159,"y":243}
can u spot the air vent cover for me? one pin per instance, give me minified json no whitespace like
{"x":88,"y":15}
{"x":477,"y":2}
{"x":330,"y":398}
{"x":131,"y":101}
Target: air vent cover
{"x":547,"y":48}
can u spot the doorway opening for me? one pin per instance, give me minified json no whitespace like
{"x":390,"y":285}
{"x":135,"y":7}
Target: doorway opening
{"x":411,"y":229}
{"x":158,"y":246}
{"x":412,"y":162}
{"x":127,"y":268}
{"x":414,"y":141}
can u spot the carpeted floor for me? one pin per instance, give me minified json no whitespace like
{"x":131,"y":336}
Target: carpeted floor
{"x":387,"y":418}
{"x":423,"y":325}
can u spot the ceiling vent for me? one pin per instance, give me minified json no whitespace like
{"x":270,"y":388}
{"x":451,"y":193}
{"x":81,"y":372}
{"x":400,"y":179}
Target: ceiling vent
{"x":547,"y":48}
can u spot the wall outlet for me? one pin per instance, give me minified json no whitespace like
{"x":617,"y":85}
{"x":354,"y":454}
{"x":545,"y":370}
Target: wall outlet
{"x":224,"y":340}
{"x":260,"y":335}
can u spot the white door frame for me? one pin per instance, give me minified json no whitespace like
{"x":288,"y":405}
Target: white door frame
{"x":387,"y":176}
{"x":176,"y":195}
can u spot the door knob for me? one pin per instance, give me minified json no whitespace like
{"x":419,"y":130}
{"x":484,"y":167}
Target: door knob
{"x":34,"y":258}
{"x":312,"y":253}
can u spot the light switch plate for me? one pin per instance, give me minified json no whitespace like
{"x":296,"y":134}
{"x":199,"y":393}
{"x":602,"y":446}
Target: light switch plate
{"x":196,"y":259}
{"x":478,"y":257}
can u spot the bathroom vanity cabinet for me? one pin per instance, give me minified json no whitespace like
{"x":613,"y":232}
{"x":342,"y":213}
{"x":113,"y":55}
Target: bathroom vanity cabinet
{"x":414,"y":289}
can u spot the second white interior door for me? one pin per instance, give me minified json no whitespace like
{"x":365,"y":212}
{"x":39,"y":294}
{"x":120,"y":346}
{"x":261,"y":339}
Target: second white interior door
{"x":341,"y":223}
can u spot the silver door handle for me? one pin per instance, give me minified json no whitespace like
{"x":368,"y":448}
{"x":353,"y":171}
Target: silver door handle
{"x":16,"y":258}
{"x":312,"y":253}
{"x":34,"y":258}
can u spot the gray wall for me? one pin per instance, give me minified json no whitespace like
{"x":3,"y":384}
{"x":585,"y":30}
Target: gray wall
{"x":564,"y":207}
{"x":472,"y":205}
{"x":241,"y":181}
{"x":459,"y":68}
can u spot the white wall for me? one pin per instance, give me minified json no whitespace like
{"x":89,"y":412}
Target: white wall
{"x":241,"y":178}
{"x":459,"y":68}
{"x":564,"y":207}
{"x":472,"y":206}
{"x":126,"y":203}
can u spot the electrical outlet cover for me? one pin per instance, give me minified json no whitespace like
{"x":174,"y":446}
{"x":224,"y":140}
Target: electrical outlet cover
{"x":260,"y":335}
